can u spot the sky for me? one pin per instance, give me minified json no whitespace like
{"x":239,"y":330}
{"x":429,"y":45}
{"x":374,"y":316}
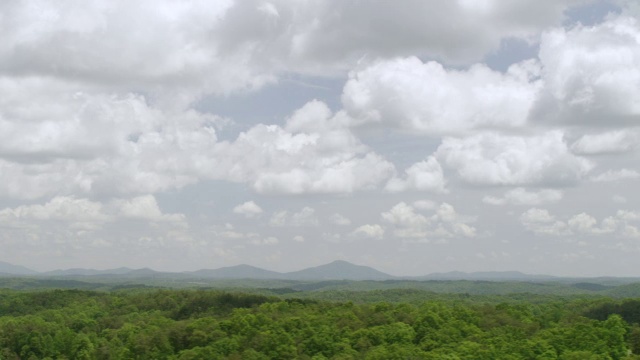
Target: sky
{"x":411,"y":136}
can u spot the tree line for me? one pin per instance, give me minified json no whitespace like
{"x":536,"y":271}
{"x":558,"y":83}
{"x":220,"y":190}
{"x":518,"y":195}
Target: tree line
{"x":213,"y":324}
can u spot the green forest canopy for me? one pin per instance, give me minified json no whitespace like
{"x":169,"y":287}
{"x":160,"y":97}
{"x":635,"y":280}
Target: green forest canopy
{"x":213,"y":324}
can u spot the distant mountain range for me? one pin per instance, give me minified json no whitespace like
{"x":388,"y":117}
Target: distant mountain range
{"x":237,"y":272}
{"x":486,"y":275}
{"x":10,"y":269}
{"x":336,"y":270}
{"x":88,"y":272}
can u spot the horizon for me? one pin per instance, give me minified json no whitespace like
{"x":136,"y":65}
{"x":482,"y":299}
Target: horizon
{"x":401,"y":276}
{"x":413,"y":138}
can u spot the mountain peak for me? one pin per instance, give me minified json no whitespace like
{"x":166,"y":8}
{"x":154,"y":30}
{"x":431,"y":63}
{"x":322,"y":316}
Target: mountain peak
{"x":338,"y":270}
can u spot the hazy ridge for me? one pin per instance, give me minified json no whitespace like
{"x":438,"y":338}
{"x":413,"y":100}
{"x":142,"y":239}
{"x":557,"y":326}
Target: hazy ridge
{"x":336,"y":270}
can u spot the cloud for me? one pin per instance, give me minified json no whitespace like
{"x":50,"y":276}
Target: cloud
{"x":541,"y":222}
{"x":494,"y":159}
{"x":76,"y":120}
{"x":314,"y":117}
{"x":409,"y":224}
{"x":616,"y":175}
{"x":70,"y":224}
{"x":226,"y":46}
{"x":622,"y":224}
{"x":71,"y":142}
{"x":228,"y":231}
{"x":249,"y":209}
{"x":279,"y":219}
{"x":444,"y":223}
{"x":64,"y":209}
{"x":457,"y":225}
{"x":160,"y":45}
{"x":582,"y":223}
{"x":427,"y":98}
{"x":369,"y":231}
{"x":303,"y":218}
{"x":628,"y":215}
{"x":521,"y":196}
{"x":611,"y":142}
{"x":339,"y":219}
{"x":327,"y":159}
{"x":71,"y":209}
{"x":141,"y":149}
{"x":103,"y":104}
{"x":271,"y":240}
{"x":456,"y":32}
{"x":424,"y":204}
{"x":423,"y":176}
{"x":144,"y":207}
{"x":629,"y":7}
{"x":591,"y":75}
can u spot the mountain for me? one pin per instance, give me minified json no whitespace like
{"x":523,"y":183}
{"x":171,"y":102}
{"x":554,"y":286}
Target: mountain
{"x":88,"y":272}
{"x":237,"y":272}
{"x":144,"y":272}
{"x":338,"y":270}
{"x":10,"y":269}
{"x":486,"y":276}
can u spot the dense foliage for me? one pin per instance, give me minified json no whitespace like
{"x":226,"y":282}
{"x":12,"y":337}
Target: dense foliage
{"x":190,"y":324}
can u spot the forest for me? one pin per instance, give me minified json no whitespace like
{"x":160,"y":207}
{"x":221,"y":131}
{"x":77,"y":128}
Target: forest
{"x":149,"y":323}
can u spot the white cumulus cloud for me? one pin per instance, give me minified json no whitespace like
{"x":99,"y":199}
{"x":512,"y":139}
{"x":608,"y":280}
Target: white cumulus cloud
{"x":591,"y":74}
{"x":427,"y":98}
{"x":540,"y":221}
{"x":423,"y":176}
{"x":494,"y":159}
{"x":249,"y":209}
{"x":324,"y":158}
{"x":444,"y":223}
{"x":623,"y":224}
{"x":371,"y":231}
